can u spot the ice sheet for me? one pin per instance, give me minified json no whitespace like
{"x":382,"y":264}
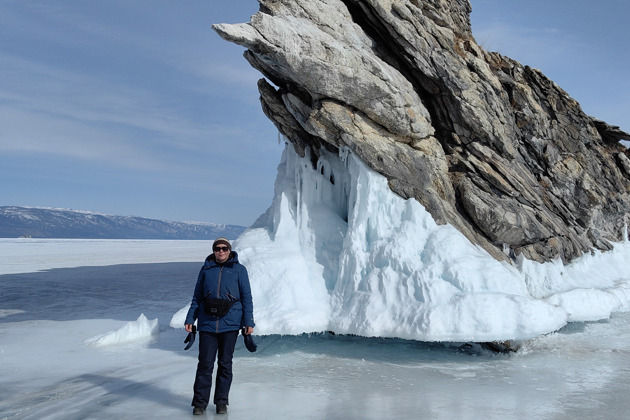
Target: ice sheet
{"x":47,"y":371}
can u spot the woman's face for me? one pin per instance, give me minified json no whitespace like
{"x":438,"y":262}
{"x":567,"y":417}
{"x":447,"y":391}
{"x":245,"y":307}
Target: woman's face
{"x":221,"y":253}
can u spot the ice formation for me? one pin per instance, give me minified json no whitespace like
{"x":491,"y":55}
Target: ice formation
{"x":337,"y":250}
{"x":139,"y":329}
{"x":177,"y":320}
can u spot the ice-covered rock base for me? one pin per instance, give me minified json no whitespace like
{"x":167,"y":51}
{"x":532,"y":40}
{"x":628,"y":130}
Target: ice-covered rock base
{"x":338,"y":251}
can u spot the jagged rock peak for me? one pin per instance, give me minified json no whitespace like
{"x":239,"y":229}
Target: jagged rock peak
{"x":486,"y":144}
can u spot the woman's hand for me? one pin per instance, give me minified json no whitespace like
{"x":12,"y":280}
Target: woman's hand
{"x":188,"y":327}
{"x":248,"y":330}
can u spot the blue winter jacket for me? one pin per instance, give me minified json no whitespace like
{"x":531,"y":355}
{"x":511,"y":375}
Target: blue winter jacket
{"x":230,"y":281}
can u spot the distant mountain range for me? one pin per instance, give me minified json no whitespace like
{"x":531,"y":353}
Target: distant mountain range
{"x":37,"y":222}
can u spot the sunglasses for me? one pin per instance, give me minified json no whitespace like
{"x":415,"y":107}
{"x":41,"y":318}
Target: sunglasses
{"x":221,"y":248}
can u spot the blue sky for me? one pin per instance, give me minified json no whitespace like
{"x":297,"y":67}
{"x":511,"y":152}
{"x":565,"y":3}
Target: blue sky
{"x":139,"y":108}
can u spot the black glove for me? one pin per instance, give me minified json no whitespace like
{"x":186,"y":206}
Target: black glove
{"x":249,"y":342}
{"x":190,"y":338}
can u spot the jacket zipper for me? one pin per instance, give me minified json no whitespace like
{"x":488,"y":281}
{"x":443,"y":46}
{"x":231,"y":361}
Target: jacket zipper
{"x":219,"y":293}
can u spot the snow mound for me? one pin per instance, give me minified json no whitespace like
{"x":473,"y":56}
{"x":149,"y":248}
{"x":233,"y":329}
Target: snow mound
{"x":586,"y":304}
{"x":141,"y":328}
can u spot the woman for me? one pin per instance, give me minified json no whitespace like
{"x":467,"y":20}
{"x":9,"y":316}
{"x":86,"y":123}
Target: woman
{"x":222,"y":286}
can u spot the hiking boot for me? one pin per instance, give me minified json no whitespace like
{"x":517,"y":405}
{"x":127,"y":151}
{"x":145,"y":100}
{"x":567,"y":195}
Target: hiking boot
{"x":197,"y":411}
{"x":221,"y":408}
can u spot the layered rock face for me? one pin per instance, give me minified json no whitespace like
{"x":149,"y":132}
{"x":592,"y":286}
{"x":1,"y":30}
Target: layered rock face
{"x":486,"y":144}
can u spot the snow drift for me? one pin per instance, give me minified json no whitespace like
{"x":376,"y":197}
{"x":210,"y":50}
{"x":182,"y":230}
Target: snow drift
{"x":337,"y":250}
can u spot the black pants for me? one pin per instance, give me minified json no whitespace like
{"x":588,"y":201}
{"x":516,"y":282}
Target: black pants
{"x":209,"y":345}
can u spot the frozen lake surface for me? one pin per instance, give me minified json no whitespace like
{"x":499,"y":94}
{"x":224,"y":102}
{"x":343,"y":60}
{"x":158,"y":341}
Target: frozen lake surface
{"x":47,"y":370}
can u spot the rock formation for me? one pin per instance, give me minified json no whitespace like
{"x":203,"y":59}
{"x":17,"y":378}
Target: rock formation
{"x":485,"y":144}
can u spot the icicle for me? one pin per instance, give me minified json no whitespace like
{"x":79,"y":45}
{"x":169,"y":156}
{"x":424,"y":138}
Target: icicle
{"x":282,"y":138}
{"x":343,"y":153}
{"x":320,"y":166}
